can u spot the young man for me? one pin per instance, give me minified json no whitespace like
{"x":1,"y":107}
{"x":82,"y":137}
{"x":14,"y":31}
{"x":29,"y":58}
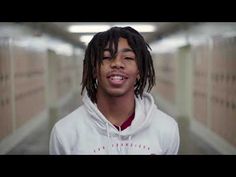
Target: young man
{"x":118,"y":116}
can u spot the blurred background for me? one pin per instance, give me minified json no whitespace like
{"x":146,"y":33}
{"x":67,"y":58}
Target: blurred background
{"x":41,"y":71}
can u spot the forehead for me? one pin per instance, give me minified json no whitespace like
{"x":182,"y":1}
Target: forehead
{"x":123,"y":43}
{"x":122,"y":46}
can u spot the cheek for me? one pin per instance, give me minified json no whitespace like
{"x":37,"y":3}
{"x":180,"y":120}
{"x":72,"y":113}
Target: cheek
{"x":100,"y":71}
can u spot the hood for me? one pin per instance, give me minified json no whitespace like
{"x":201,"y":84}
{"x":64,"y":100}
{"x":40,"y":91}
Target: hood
{"x":143,"y":111}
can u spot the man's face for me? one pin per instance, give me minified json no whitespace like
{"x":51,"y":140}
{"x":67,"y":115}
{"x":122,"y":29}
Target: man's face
{"x":118,"y":75}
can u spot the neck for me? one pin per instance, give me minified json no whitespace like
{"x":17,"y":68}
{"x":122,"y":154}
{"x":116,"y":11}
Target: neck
{"x":116,"y":108}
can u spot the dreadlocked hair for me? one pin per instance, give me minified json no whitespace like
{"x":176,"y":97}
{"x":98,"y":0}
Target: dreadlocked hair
{"x":94,"y":55}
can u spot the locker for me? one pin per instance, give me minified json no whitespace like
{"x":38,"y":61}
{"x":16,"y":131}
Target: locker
{"x":6,"y":126}
{"x":232,"y":122}
{"x":5,"y":90}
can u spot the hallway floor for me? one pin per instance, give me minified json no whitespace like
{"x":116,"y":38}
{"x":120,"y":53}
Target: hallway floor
{"x":191,"y":144}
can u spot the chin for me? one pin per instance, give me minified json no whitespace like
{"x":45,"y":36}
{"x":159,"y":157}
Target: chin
{"x":116,"y":93}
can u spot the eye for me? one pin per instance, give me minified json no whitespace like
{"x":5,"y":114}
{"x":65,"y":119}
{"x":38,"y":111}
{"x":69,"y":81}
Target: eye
{"x":106,"y":58}
{"x":129,"y":58}
{"x":106,"y":55}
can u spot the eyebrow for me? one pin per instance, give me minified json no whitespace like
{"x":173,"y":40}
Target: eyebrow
{"x":122,"y":50}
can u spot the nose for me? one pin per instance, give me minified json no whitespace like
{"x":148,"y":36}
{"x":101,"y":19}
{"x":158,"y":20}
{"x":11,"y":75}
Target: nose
{"x":117,"y":62}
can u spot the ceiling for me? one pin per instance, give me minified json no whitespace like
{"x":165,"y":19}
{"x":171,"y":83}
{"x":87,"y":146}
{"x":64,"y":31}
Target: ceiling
{"x":60,"y":29}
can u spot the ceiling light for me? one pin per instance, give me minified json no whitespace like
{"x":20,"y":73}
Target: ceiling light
{"x":141,"y":28}
{"x":87,"y":28}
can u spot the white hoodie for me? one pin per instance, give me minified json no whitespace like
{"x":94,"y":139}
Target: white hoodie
{"x":87,"y":131}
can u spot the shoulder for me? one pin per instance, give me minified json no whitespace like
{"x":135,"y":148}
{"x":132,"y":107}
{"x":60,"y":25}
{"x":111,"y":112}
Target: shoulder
{"x":69,"y":123}
{"x":162,"y":119}
{"x":65,"y":132}
{"x":167,"y":131}
{"x":164,"y":125}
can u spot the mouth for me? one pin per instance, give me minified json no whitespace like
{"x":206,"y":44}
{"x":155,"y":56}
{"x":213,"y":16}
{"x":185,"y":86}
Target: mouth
{"x":117,"y":76}
{"x":117,"y":79}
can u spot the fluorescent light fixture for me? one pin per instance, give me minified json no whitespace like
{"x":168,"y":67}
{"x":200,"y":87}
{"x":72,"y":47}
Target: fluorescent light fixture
{"x":98,"y":28}
{"x":86,"y":38}
{"x":141,"y":28}
{"x":87,"y":28}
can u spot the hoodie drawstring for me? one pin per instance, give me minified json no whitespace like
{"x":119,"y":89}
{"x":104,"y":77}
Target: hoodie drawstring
{"x":109,"y":139}
{"x":129,"y":142}
{"x":119,"y":147}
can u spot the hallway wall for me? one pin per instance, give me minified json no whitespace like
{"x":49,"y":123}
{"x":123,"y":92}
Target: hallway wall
{"x":39,"y":81}
{"x":199,"y":81}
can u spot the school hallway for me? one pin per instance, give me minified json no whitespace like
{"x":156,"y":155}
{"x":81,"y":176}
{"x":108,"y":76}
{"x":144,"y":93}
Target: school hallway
{"x":41,"y":69}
